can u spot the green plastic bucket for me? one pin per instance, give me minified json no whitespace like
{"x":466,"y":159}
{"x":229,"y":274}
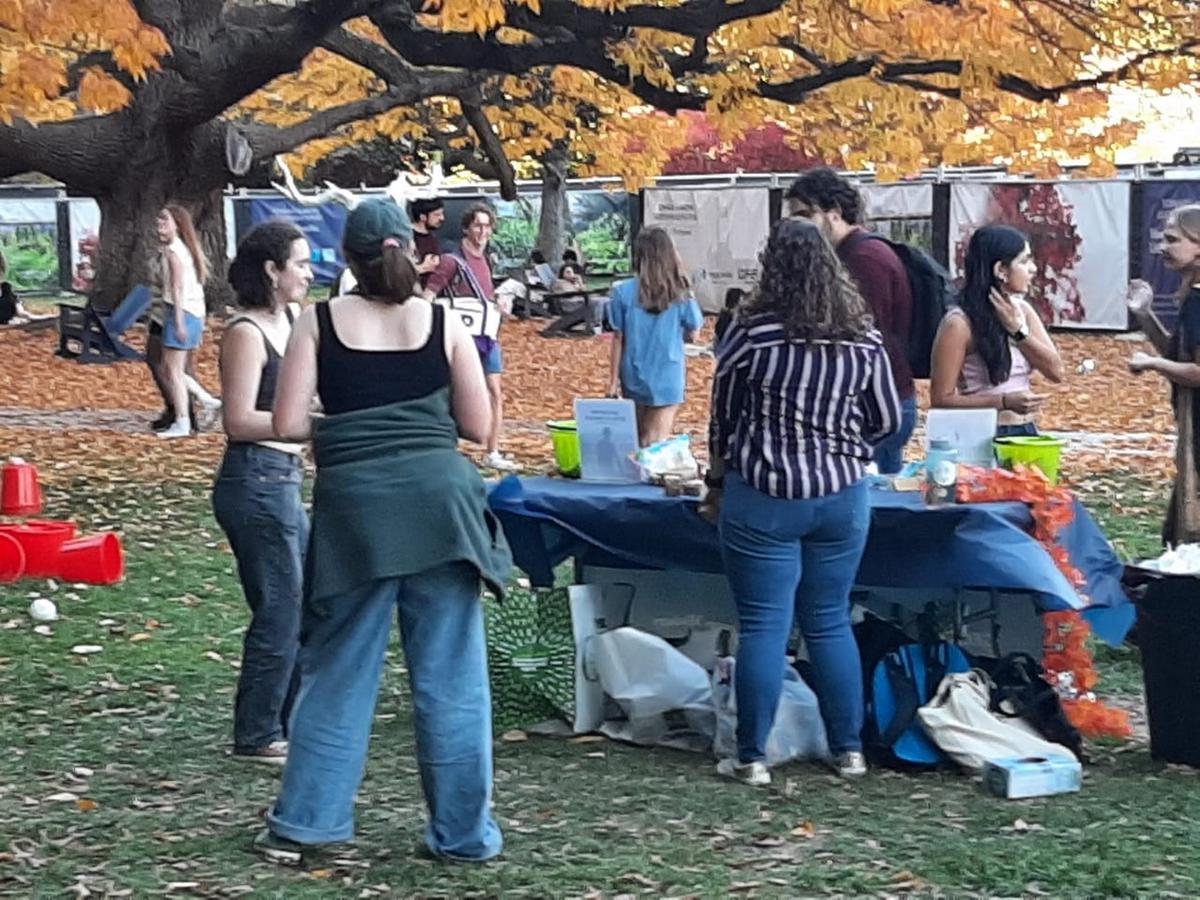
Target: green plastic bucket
{"x":1041,"y":451}
{"x":566,"y":446}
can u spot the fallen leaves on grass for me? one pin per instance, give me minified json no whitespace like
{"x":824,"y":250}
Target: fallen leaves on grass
{"x":543,"y":377}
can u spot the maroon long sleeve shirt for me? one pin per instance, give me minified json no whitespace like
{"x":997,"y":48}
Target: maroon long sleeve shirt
{"x":883,"y":282}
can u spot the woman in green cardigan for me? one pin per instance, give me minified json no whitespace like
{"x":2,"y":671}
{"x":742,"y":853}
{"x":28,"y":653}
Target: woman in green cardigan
{"x":400,"y":527}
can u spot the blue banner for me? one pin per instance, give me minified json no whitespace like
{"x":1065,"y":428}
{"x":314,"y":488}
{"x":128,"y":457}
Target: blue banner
{"x":1158,"y":199}
{"x":322,"y":226}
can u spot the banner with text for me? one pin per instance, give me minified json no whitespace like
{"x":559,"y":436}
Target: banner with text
{"x":718,"y":232}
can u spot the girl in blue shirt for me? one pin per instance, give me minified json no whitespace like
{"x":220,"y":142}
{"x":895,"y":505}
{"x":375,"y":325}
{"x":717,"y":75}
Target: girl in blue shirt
{"x":652,"y":315}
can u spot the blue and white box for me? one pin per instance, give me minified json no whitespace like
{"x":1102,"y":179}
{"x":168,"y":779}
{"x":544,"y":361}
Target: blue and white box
{"x":1017,"y":777}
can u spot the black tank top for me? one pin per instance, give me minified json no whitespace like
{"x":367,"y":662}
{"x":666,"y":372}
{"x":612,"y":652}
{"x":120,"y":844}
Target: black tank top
{"x":349,"y":379}
{"x":265,"y":401}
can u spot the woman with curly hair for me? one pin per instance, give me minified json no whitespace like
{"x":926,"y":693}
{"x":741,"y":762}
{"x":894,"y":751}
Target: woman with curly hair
{"x":802,"y":393}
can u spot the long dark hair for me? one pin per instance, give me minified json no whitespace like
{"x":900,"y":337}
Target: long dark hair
{"x":989,"y":245}
{"x":804,"y":285}
{"x":248,"y":274}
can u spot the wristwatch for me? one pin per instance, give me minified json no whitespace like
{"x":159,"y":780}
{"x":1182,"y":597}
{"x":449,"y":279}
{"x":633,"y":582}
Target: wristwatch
{"x":1019,"y":335}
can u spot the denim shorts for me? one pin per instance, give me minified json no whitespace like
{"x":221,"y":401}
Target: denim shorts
{"x":492,"y":359}
{"x":193,"y":328}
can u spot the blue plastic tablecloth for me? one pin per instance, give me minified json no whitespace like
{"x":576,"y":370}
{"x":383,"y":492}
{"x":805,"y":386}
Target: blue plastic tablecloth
{"x":982,"y":545}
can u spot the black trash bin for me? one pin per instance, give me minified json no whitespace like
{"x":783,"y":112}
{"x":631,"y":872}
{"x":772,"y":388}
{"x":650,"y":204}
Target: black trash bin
{"x":1168,"y":629}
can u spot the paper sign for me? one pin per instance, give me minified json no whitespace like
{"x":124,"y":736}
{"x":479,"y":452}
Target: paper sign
{"x":607,"y":438}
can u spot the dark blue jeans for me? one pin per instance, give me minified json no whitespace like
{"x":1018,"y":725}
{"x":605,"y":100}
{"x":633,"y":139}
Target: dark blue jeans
{"x":786,"y":561}
{"x":257,"y":502}
{"x":889,"y":453}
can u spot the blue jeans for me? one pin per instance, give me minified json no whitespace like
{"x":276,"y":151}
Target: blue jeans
{"x":257,"y":502}
{"x":889,"y":453}
{"x":441,"y":625}
{"x":794,"y":560}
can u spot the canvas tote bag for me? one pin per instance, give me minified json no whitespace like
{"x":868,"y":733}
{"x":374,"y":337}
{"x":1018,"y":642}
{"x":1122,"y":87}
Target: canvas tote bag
{"x":958,"y":720}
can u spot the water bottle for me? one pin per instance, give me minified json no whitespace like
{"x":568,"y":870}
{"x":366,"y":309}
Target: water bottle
{"x":941,"y":473}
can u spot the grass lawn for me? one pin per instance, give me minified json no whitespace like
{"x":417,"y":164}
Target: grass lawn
{"x":114,"y":779}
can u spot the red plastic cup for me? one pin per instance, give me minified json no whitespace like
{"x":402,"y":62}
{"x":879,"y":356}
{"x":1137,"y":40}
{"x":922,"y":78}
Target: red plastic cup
{"x":94,"y":559}
{"x":41,"y":540}
{"x":20,"y":493}
{"x":12,"y":558}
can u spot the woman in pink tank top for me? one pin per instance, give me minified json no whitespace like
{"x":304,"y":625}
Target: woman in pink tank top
{"x":987,"y":349}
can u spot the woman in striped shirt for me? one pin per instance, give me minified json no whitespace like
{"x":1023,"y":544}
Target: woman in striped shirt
{"x":803,"y":391}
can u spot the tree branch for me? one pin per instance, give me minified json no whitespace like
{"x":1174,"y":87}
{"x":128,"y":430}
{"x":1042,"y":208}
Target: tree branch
{"x":490,"y":141}
{"x":103,"y":60}
{"x":251,"y":47}
{"x":368,"y":54}
{"x":572,"y":35}
{"x":65,"y":151}
{"x":267,"y":141}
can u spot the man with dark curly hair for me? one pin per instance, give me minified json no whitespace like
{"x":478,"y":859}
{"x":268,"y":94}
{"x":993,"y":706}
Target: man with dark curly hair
{"x":833,"y":204}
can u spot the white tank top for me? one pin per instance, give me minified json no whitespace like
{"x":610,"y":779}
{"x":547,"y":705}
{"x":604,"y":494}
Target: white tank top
{"x":193,"y":291}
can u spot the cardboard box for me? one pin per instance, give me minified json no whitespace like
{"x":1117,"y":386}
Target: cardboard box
{"x":1018,"y":777}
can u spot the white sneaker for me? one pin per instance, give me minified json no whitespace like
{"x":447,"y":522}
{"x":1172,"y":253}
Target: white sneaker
{"x":181,"y":429}
{"x":755,"y":774}
{"x":851,"y":764}
{"x":497,"y":460}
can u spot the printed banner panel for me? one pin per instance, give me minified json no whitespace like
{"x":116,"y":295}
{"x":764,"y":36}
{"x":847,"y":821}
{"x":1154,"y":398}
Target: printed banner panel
{"x":718,"y":233}
{"x":1079,"y":234}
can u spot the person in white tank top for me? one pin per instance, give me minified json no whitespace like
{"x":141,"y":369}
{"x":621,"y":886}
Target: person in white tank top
{"x":987,"y":349}
{"x":184,"y":271}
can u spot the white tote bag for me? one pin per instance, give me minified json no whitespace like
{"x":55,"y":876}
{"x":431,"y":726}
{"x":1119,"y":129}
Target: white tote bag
{"x":958,"y":720}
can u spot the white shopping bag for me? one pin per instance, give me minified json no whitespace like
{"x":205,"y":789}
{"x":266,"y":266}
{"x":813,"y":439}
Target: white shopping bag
{"x":645,"y":675}
{"x":798,"y":731}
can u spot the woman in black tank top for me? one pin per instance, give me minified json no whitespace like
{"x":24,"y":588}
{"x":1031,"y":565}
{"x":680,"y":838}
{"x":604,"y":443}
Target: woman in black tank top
{"x":256,"y":496}
{"x":401,"y":529}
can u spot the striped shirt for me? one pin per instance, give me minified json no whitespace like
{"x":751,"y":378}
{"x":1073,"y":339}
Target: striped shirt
{"x":798,"y":418}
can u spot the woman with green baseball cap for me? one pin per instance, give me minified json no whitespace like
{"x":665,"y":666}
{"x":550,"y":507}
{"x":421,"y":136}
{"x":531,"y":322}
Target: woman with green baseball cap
{"x":400,"y":525}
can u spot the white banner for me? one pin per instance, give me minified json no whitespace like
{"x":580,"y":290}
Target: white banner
{"x":718,"y":232}
{"x":27,"y":212}
{"x":898,"y":201}
{"x":84,"y":216}
{"x":1079,"y":234}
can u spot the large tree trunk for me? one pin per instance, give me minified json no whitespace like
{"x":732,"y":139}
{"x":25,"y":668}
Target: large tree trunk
{"x":129,"y":245}
{"x":555,"y":216}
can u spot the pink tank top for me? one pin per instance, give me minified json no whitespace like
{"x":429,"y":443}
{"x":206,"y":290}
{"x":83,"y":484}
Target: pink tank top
{"x":974,"y":378}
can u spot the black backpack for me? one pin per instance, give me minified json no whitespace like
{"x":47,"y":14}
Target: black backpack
{"x":1021,"y":692}
{"x":933,"y":295}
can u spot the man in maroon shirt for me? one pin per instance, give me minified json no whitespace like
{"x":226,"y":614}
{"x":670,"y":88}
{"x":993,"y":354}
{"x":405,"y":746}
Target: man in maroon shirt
{"x":469,"y":273}
{"x":427,"y":216}
{"x":835,"y":206}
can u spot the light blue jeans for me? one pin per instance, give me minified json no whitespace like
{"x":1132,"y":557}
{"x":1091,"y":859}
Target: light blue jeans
{"x":341,"y":661}
{"x":794,"y":560}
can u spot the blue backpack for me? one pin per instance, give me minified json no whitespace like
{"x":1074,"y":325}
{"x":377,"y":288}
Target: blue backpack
{"x":904,"y":680}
